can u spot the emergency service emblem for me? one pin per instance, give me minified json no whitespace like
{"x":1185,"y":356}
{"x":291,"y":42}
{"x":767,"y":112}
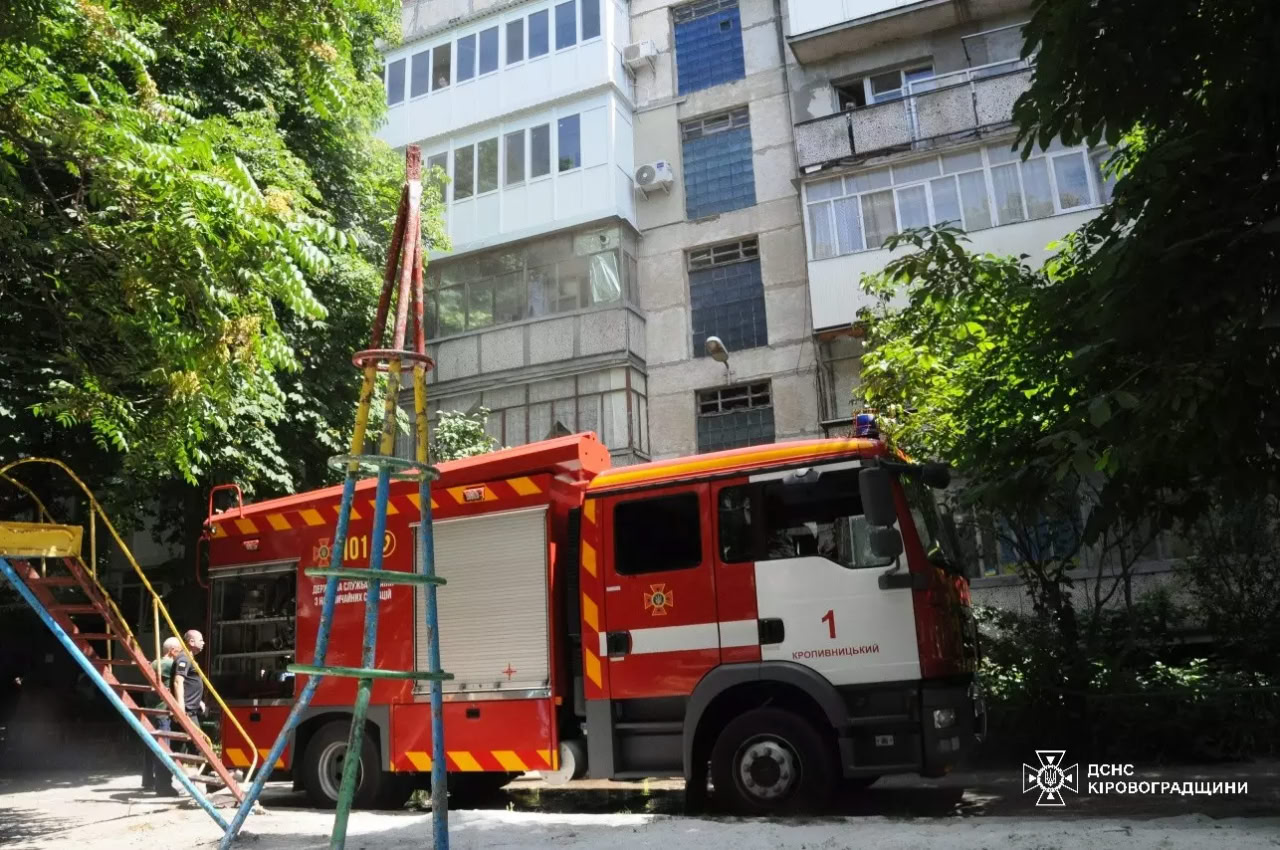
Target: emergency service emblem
{"x":320,"y":552}
{"x":1051,"y":777}
{"x":657,"y":599}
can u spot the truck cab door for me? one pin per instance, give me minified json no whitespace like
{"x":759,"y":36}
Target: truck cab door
{"x":660,"y":632}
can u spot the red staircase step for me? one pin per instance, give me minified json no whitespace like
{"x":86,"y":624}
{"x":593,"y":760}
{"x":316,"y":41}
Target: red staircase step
{"x":172,"y":736}
{"x":159,"y":712}
{"x":76,"y":608}
{"x":129,"y":686}
{"x":188,"y":757}
{"x":56,"y":581}
{"x":119,"y":662}
{"x":96,"y":636}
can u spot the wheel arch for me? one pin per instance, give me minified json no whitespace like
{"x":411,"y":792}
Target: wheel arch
{"x":733,"y":688}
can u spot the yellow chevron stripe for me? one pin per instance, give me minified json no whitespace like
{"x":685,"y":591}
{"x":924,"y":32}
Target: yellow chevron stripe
{"x":510,"y":761}
{"x":279,"y":522}
{"x":218,"y":530}
{"x":524,"y":486}
{"x":592,"y":666}
{"x":237,"y":757}
{"x":465,"y":761}
{"x":246,"y":526}
{"x":417,"y":503}
{"x":545,"y":755}
{"x":589,"y":511}
{"x":589,"y":558}
{"x":262,"y":754}
{"x":420,"y":761}
{"x":311,"y":516}
{"x":373,"y":507}
{"x":590,"y":613}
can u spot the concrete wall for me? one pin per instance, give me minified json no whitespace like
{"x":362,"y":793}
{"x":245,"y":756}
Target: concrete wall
{"x":675,"y":374}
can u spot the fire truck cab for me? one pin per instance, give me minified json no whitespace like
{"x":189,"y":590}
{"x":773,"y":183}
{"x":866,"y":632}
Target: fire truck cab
{"x":774,"y":618}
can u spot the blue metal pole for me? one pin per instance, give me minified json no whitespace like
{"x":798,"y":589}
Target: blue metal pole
{"x":439,"y":781}
{"x":364,"y":687}
{"x":112,"y":696}
{"x":322,"y":649}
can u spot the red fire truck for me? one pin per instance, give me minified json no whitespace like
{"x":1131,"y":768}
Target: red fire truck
{"x":781,"y":616}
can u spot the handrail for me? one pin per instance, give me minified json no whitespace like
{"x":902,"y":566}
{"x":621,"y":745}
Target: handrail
{"x":97,"y":510}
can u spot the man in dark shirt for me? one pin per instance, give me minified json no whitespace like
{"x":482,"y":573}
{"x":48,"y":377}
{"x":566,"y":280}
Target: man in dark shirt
{"x":188,"y":688}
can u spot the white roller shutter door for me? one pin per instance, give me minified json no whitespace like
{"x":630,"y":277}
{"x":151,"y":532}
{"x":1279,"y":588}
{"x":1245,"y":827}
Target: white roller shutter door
{"x":493,"y":611}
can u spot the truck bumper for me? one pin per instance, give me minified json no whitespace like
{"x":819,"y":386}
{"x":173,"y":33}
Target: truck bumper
{"x":918,"y":727}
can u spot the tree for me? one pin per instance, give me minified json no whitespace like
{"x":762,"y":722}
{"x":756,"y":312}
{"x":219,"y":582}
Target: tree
{"x":459,"y":434}
{"x":1168,"y":300}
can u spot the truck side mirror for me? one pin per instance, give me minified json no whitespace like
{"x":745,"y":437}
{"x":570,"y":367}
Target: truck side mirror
{"x":877,"y":496}
{"x":936,"y":475}
{"x":885,"y":542}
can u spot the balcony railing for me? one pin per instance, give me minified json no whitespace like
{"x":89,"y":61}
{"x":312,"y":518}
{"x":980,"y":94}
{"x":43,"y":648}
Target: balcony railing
{"x":938,"y":107}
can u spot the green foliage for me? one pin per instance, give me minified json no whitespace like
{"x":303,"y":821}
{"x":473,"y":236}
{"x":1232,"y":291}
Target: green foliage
{"x":193,"y":218}
{"x":458,"y":434}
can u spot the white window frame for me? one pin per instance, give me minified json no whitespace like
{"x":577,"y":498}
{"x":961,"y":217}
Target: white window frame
{"x":986,"y":169}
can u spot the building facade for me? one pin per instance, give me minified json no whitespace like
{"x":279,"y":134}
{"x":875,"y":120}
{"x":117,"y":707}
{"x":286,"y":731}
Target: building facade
{"x":628,"y":179}
{"x":574,"y":297}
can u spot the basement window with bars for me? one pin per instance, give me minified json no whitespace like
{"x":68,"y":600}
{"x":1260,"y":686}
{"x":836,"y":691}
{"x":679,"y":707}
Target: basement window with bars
{"x":733,"y":417}
{"x":718,"y":171}
{"x":726,"y":293}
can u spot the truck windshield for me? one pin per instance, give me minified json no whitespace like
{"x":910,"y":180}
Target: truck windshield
{"x":797,"y":517}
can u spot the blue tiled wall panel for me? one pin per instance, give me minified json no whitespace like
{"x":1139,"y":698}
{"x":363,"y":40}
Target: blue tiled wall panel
{"x":709,"y":50}
{"x":718,"y":176}
{"x":735,"y":430}
{"x":728,"y":302}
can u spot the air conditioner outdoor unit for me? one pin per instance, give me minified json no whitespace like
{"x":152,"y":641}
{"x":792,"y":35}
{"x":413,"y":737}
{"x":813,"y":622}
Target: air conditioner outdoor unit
{"x":655,"y":175}
{"x":639,"y":54}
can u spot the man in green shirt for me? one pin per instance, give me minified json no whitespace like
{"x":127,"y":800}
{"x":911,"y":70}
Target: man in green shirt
{"x":155,"y":775}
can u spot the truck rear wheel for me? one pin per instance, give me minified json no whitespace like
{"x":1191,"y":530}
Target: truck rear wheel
{"x":771,"y":761}
{"x":322,"y":765}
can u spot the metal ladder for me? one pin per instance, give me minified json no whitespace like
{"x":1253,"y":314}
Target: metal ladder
{"x":405,"y":261}
{"x":75,"y":606}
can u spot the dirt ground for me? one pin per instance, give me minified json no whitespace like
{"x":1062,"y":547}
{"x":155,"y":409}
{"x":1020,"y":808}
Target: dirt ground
{"x":63,"y":810}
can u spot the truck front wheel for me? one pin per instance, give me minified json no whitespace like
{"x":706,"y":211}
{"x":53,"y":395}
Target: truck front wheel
{"x":322,"y":765}
{"x":771,"y":761}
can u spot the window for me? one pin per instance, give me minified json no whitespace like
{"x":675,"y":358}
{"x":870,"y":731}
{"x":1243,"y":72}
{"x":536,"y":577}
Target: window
{"x":553,"y":274}
{"x":513,"y":156}
{"x":487,"y":166}
{"x":1106,"y":183}
{"x":726,"y":294}
{"x":464,"y":173}
{"x":566,"y":26}
{"x":540,"y":151}
{"x":880,"y":88}
{"x":488,"y":50}
{"x":569,"y":133}
{"x":538,"y":34}
{"x":718,"y":173}
{"x":590,"y":19}
{"x":395,"y":82}
{"x":971,"y":190}
{"x":797,"y":518}
{"x":441,"y":161}
{"x":657,"y":534}
{"x":732,"y":417}
{"x":440,"y":66}
{"x":420,"y":74}
{"x":708,"y":44}
{"x":515,"y":41}
{"x":466,"y":57}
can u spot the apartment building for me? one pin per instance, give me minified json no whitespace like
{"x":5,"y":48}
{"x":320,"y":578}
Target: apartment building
{"x":902,"y":115}
{"x":622,"y":187}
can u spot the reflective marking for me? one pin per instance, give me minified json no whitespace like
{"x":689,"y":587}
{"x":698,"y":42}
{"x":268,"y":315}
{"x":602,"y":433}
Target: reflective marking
{"x":465,"y":761}
{"x":237,"y":757}
{"x":545,"y":755}
{"x":278,"y":522}
{"x":311,"y":516}
{"x":510,"y":761}
{"x":739,"y":633}
{"x":592,"y":667}
{"x":420,"y":761}
{"x":246,"y":526}
{"x":524,"y":486}
{"x":590,"y":614}
{"x":262,"y":754}
{"x":589,"y":511}
{"x":589,"y":558}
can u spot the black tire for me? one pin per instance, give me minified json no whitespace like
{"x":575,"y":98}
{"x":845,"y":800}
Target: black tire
{"x":469,"y":788}
{"x":770,"y":761}
{"x":322,"y":771}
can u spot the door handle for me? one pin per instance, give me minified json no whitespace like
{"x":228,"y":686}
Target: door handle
{"x":617,"y":644}
{"x":903,"y":581}
{"x":771,"y":630}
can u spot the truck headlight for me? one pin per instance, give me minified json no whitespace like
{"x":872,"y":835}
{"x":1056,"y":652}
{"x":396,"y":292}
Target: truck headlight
{"x":944,"y":718}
